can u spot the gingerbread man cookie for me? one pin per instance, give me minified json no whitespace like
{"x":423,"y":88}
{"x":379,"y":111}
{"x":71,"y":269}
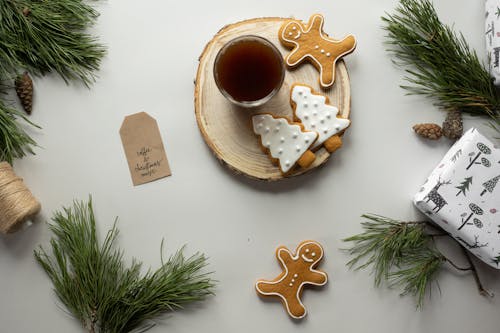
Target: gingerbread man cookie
{"x":309,"y":42}
{"x":315,"y":113}
{"x":298,"y":271}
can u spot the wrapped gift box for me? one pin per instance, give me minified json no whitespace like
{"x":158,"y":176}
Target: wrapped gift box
{"x":492,"y":25}
{"x":462,"y":195}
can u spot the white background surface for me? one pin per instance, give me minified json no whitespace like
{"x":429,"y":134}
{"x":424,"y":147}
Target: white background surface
{"x":238,"y":223}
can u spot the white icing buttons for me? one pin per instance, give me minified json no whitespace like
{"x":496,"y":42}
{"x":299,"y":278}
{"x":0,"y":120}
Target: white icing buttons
{"x":295,"y":275}
{"x":322,"y":113}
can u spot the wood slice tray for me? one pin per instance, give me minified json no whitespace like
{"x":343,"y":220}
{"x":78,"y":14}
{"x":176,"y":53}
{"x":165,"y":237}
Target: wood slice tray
{"x":226,"y":128}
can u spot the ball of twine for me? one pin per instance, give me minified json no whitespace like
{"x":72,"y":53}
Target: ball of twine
{"x":17,"y":204}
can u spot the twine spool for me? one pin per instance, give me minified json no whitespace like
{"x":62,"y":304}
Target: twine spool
{"x":17,"y":204}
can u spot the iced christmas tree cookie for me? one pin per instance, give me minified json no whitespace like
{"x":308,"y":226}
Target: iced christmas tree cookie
{"x":298,"y":271}
{"x":315,"y":113}
{"x":286,"y":143}
{"x":310,"y":43}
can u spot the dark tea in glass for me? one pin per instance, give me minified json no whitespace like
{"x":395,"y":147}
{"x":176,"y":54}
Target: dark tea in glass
{"x":249,"y":70}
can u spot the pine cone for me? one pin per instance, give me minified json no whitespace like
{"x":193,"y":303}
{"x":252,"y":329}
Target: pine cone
{"x":453,"y":126}
{"x":429,"y":131}
{"x":24,"y":90}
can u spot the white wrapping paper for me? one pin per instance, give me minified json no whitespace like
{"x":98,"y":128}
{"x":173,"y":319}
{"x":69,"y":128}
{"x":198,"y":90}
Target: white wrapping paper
{"x":462,"y":195}
{"x":493,"y":37}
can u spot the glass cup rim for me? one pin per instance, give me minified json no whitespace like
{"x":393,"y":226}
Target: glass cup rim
{"x":275,"y":50}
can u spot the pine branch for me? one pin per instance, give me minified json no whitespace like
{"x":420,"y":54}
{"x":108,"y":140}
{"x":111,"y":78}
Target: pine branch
{"x":47,"y":36}
{"x":418,"y":270}
{"x":440,"y":64}
{"x":43,"y":37}
{"x":14,"y":141}
{"x":402,"y":254}
{"x":105,"y":295}
{"x":383,"y":243}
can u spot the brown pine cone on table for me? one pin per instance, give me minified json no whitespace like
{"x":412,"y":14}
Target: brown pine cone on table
{"x":428,"y":131}
{"x":24,"y":90}
{"x":453,"y":126}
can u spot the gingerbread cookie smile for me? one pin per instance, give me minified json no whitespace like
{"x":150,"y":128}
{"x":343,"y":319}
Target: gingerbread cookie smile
{"x":298,"y":271}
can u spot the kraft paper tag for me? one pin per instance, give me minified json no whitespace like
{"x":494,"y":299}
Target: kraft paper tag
{"x":144,"y":149}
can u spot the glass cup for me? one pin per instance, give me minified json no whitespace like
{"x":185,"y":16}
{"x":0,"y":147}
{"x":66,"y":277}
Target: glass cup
{"x":249,"y":70}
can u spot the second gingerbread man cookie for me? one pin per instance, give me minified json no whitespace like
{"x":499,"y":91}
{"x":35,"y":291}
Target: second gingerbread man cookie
{"x":298,"y":271}
{"x":309,"y":42}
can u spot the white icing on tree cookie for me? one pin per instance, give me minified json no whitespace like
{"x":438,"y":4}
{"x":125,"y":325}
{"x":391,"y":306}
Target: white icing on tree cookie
{"x":285,"y":142}
{"x":316,"y":115}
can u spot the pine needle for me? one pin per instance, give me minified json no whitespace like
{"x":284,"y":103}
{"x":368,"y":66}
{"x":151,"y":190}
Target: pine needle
{"x":400,"y":254}
{"x":14,"y":141}
{"x":47,"y":36}
{"x":419,"y":270}
{"x":42,"y":37}
{"x":440,"y":64}
{"x":104,"y":294}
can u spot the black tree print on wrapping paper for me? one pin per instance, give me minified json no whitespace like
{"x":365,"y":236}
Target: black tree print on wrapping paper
{"x":475,"y":210}
{"x":490,"y":30}
{"x":464,"y":186}
{"x":435,"y":197}
{"x":490,"y":185}
{"x":483,"y":149}
{"x":476,"y":244}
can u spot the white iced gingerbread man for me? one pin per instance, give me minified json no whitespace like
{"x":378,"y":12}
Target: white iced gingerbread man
{"x":298,"y":271}
{"x":309,"y":42}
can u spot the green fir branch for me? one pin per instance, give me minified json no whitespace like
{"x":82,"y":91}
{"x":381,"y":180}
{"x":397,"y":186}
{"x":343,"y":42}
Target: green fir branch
{"x":404,"y":255}
{"x":400,"y":254}
{"x":383,"y":243}
{"x":42,"y":37}
{"x":14,"y":141}
{"x":419,"y":268}
{"x":49,"y":36}
{"x":440,"y":64}
{"x":103,"y":293}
